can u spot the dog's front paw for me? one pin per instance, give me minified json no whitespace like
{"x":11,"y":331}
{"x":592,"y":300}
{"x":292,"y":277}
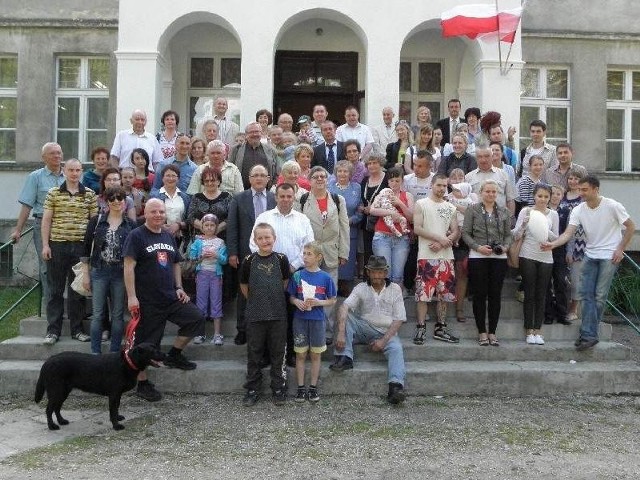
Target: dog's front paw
{"x":120,"y":418}
{"x":63,"y":421}
{"x":118,"y":426}
{"x":53,"y":426}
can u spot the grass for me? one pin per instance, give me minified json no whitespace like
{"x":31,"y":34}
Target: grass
{"x":10,"y":325}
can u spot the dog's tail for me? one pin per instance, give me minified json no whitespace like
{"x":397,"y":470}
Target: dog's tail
{"x":39,"y":390}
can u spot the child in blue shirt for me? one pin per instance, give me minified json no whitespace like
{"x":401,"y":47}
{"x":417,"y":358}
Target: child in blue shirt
{"x":310,"y":290}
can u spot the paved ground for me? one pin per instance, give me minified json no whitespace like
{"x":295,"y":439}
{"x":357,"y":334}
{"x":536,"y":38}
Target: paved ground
{"x":342,"y":437}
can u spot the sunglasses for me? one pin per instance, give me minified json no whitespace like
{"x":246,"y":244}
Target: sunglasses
{"x":112,"y":198}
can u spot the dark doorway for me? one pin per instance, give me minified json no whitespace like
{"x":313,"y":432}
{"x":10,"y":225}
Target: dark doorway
{"x":304,"y":79}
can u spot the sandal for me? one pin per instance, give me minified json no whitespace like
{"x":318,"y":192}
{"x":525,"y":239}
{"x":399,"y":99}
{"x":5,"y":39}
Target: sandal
{"x":483,"y":342}
{"x":494,"y":341}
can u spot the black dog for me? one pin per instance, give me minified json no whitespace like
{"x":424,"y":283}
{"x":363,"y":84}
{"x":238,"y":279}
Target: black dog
{"x":110,"y":375}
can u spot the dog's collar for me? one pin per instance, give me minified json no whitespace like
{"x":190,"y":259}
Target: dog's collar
{"x":129,"y":361}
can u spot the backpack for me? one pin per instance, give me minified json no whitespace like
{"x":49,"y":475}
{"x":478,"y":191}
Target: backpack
{"x":305,"y":196}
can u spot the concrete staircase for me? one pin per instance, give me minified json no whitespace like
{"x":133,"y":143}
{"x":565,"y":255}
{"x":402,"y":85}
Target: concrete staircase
{"x":435,"y":368}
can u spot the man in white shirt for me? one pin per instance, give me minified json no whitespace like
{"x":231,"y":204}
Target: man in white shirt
{"x":293,"y":232}
{"x":135,"y":137}
{"x":602,"y":219}
{"x":435,"y":223}
{"x":227,"y":128}
{"x":385,"y":134}
{"x":320,"y":114}
{"x":485,"y":171}
{"x":417,"y":184}
{"x":356,"y":130}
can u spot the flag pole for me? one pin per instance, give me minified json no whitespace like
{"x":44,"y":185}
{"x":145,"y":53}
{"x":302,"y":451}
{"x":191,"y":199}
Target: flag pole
{"x":502,"y":72}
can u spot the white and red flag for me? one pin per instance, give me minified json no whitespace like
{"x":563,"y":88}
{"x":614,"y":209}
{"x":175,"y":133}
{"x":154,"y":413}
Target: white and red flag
{"x":482,"y":21}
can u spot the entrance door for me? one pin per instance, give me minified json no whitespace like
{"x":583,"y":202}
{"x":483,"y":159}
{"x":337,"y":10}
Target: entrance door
{"x":304,"y":79}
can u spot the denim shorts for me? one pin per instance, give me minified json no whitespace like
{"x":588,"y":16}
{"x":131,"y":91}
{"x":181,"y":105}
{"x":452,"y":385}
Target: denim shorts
{"x":309,"y":335}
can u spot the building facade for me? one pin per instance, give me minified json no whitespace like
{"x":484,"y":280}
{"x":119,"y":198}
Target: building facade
{"x":72,"y":71}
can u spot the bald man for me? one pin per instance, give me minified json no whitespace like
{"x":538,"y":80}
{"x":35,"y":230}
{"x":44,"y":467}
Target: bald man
{"x":153,"y":279}
{"x":385,"y":134}
{"x":135,"y":137}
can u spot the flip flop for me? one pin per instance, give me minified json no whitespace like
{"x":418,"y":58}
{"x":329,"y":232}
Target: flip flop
{"x":494,"y":342}
{"x":483,"y":342}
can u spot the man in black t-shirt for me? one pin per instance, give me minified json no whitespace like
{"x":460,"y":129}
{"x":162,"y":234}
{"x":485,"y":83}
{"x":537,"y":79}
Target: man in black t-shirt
{"x":152,"y":277}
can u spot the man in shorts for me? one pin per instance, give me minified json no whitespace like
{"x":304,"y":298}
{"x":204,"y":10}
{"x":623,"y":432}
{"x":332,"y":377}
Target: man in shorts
{"x":436,"y":226}
{"x":153,"y":279}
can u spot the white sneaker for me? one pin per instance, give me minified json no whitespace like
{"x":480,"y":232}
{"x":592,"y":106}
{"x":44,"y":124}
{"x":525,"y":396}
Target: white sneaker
{"x":105,"y":336}
{"x":50,"y":339}
{"x":217,"y":340}
{"x":539,"y":340}
{"x":199,"y":339}
{"x":531,"y":340}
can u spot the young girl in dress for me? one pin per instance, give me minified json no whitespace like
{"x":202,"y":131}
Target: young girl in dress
{"x":211,"y":253}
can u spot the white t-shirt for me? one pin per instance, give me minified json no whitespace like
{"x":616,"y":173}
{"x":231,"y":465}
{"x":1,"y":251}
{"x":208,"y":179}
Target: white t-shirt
{"x":360,"y":132}
{"x":602,"y":226}
{"x":418,"y":187}
{"x":436,"y":218}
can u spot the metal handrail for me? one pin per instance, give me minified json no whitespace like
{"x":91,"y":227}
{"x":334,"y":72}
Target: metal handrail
{"x":619,"y":312}
{"x":38,"y":284}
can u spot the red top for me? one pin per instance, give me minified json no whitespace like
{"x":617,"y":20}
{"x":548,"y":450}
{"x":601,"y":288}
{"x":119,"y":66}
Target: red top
{"x":382,"y":227}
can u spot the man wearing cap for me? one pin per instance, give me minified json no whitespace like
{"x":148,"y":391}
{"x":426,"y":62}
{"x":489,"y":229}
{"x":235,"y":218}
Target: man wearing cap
{"x":372,"y":315}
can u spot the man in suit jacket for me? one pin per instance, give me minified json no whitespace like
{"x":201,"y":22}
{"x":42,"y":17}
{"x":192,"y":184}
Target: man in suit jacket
{"x":445,"y":124}
{"x":321,"y":152}
{"x":242,"y":216}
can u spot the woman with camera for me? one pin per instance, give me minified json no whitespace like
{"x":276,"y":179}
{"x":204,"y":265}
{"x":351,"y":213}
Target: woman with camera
{"x":487,"y":232}
{"x":536,"y":265}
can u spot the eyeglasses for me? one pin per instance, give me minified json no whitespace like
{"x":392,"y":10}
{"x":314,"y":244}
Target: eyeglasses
{"x":318,"y":177}
{"x":207,"y":180}
{"x":259,"y":175}
{"x":113,"y":198}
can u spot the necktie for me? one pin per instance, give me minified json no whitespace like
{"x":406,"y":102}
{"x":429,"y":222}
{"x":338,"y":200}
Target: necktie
{"x":258,"y":206}
{"x":331,"y":159}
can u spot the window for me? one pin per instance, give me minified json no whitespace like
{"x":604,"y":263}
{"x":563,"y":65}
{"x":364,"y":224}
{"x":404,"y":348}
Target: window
{"x":623,"y":121}
{"x":82,"y":99}
{"x":210,"y":77}
{"x":420,"y":84}
{"x":8,"y":107}
{"x":545,"y":95}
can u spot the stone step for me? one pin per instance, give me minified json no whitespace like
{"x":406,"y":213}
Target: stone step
{"x":31,"y":348}
{"x":505,"y":378}
{"x":508,"y":328}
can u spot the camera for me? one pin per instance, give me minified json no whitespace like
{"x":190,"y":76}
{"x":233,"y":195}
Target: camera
{"x":497,"y":248}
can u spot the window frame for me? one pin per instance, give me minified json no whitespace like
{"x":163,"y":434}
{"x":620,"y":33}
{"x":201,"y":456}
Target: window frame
{"x":627,"y":105}
{"x":231,"y":91}
{"x":417,"y":98}
{"x":11,"y":92}
{"x":543,"y":103}
{"x":83,"y":93}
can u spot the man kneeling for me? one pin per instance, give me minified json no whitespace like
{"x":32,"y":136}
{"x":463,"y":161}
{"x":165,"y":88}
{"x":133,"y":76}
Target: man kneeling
{"x":375,"y":312}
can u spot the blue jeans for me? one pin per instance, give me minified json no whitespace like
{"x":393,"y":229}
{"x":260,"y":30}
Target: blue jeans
{"x":395,"y":250}
{"x":107,"y":281}
{"x":361,"y":331}
{"x":597,"y":276}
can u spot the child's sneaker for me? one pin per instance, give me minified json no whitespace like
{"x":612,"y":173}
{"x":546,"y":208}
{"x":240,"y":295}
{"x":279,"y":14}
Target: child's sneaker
{"x":279,"y":397}
{"x":217,"y":340}
{"x":312,"y":394}
{"x":199,"y":339}
{"x":301,"y":395}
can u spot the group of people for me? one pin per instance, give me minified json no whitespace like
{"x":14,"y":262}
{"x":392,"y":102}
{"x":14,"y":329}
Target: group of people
{"x":288,"y":222}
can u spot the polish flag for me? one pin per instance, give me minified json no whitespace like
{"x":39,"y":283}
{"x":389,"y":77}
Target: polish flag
{"x":481,"y":21}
